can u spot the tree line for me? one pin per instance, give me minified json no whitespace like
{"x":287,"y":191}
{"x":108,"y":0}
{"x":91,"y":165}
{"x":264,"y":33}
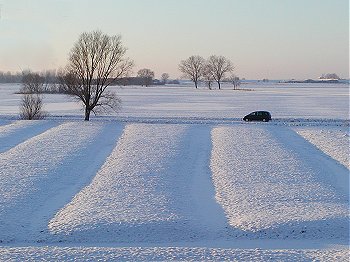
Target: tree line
{"x":48,"y":76}
{"x":50,"y":79}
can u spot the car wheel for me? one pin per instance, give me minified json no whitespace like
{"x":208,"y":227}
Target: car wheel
{"x":264,"y":120}
{"x":247,"y":120}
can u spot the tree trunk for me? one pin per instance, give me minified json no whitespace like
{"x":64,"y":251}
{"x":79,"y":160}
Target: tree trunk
{"x":87,"y":114}
{"x":219,"y":84}
{"x":195,"y":83}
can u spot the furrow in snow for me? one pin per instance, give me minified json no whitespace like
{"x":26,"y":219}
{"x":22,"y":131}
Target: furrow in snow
{"x":144,"y":190}
{"x":270,"y":184}
{"x":42,"y":174}
{"x":19,"y":131}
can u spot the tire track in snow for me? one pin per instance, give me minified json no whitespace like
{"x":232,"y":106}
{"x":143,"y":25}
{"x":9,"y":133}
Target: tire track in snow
{"x":268,"y":189}
{"x":144,"y":191}
{"x":42,"y":174}
{"x":19,"y":131}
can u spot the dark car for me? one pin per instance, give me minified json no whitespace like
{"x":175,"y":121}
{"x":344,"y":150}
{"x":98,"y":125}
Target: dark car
{"x":258,"y":116}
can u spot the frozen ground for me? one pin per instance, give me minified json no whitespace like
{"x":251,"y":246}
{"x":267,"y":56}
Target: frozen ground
{"x":180,"y":177}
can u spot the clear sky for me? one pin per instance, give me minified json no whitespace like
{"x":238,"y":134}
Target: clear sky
{"x":275,"y":39}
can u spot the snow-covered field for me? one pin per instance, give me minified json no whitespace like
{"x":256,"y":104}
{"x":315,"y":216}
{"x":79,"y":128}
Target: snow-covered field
{"x":184,"y":103}
{"x":176,"y":175}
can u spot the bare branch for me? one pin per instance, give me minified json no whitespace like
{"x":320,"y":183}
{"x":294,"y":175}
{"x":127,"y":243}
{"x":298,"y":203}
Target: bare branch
{"x":218,"y":66}
{"x":147,"y":75}
{"x":193,"y":68}
{"x":32,"y":83}
{"x":31,"y":107}
{"x":95,"y":62}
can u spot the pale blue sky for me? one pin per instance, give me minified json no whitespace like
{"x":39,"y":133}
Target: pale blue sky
{"x":275,"y":39}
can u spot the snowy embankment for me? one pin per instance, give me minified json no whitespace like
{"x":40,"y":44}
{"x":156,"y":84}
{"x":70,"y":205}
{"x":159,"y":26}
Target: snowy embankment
{"x":147,"y":190}
{"x":271,"y":184}
{"x":43,"y":173}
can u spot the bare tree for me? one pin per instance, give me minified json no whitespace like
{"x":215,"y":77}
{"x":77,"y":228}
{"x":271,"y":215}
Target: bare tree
{"x":235,"y":81}
{"x":165,"y":77}
{"x":31,"y":107}
{"x":193,"y":68}
{"x":208,"y":77}
{"x":329,"y":76}
{"x":32,"y":83}
{"x":31,"y":103}
{"x":95,"y":62}
{"x":219,"y":66}
{"x":147,"y":76}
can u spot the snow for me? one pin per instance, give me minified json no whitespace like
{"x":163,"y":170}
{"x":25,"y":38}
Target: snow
{"x":333,"y":141}
{"x":143,"y":192}
{"x":37,"y":174}
{"x":167,"y":254}
{"x":176,"y":175}
{"x":251,"y":164}
{"x":17,"y":132}
{"x":283,"y":101}
{"x":296,"y":101}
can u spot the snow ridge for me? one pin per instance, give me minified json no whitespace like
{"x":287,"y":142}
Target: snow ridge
{"x":130,"y":190}
{"x":37,"y":170}
{"x":250,"y":165}
{"x":154,"y":187}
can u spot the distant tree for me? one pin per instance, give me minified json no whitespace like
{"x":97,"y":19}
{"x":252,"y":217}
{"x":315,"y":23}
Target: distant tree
{"x":208,"y":77}
{"x":165,"y":77}
{"x":50,"y":81}
{"x":32,"y":83}
{"x":31,"y":107}
{"x":174,"y":82}
{"x":218,"y":66}
{"x":95,"y":62}
{"x":235,"y":81}
{"x":147,"y":75}
{"x":8,"y":77}
{"x":193,"y":68}
{"x":329,"y":76}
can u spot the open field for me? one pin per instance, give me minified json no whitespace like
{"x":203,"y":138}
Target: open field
{"x":182,"y":103}
{"x":176,"y":175}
